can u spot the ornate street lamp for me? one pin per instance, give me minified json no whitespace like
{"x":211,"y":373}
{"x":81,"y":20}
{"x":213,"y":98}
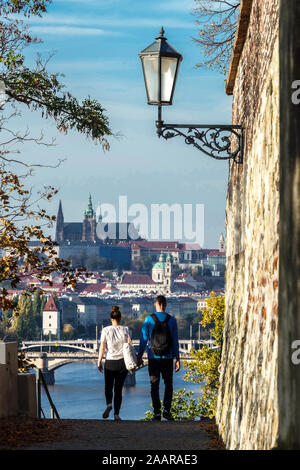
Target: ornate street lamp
{"x":160,"y":66}
{"x":160,"y":63}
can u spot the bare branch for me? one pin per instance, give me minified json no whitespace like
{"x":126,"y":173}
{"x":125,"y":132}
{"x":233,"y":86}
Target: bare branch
{"x":216,"y":20}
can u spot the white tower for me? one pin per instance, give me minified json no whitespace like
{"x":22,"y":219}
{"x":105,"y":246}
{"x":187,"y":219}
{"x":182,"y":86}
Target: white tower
{"x":168,"y":274}
{"x":222,"y":243}
{"x":51,"y":318}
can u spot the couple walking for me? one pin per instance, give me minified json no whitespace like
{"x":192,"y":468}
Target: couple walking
{"x":160,"y":336}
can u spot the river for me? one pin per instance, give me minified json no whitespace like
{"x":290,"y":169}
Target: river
{"x":78,"y":392}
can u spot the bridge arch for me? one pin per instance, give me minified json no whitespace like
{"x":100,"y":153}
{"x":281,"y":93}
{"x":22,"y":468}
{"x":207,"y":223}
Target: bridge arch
{"x":60,"y":344}
{"x":64,"y":362}
{"x":88,"y":346}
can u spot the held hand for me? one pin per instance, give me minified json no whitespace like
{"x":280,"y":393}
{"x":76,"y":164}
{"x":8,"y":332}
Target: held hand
{"x":139,"y":362}
{"x":100,"y":367}
{"x":177,"y":366}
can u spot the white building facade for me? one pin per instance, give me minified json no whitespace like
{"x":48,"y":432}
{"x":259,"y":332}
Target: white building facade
{"x":51,"y":319}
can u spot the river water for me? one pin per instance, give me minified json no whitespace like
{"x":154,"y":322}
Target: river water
{"x":78,"y":392}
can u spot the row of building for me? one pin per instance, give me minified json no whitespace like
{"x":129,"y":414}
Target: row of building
{"x":161,"y":281}
{"x":92,"y":311}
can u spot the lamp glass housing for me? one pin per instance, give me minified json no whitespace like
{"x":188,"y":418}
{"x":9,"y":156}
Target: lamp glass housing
{"x":160,"y":66}
{"x":169,"y":67}
{"x":151,"y":74}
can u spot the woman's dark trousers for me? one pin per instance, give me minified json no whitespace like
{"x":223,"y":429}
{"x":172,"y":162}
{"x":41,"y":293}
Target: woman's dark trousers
{"x":114,"y":374}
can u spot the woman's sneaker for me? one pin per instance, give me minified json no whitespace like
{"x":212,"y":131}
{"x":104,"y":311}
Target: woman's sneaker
{"x":167,"y":415}
{"x":157,"y":417}
{"x":107,"y":411}
{"x":117,"y":418}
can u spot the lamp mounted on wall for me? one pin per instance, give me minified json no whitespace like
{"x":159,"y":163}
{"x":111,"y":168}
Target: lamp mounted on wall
{"x":160,"y":63}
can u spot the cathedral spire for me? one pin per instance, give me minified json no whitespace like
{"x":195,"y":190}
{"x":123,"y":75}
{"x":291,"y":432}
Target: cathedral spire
{"x":89,"y":223}
{"x":60,"y":211}
{"x":59,"y":232}
{"x":89,"y":212}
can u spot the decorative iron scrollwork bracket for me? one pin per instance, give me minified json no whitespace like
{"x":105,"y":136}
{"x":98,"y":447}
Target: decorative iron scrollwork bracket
{"x":222,"y":142}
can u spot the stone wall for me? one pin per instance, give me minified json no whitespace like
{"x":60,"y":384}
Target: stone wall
{"x":17,"y":391}
{"x":247,"y":413}
{"x":8,"y":379}
{"x":27,"y":403}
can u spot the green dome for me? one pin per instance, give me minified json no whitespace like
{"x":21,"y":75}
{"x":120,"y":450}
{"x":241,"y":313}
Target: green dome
{"x":159,"y":265}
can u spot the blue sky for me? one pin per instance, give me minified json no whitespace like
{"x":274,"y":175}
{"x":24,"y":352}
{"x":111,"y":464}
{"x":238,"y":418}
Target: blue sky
{"x":96,"y":45}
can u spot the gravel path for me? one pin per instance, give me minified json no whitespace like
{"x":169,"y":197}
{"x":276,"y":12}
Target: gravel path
{"x":129,"y":435}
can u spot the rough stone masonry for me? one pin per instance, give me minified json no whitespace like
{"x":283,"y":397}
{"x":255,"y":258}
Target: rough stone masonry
{"x":260,"y":387}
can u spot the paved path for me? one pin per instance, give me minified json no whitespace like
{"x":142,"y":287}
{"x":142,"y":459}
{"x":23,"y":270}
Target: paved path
{"x":130,"y":435}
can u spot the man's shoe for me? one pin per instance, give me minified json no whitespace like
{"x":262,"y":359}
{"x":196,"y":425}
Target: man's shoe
{"x":167,"y":415}
{"x":107,"y":411}
{"x":157,"y":417}
{"x":117,"y":418}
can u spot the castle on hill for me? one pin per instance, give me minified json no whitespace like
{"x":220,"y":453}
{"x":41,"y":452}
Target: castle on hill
{"x":120,"y":243}
{"x":93,"y":237}
{"x":92,"y":230}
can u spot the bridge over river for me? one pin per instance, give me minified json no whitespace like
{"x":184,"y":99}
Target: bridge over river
{"x":50,"y":355}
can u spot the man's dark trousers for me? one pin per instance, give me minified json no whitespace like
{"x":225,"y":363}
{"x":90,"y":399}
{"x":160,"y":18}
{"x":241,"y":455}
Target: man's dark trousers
{"x":165,"y":368}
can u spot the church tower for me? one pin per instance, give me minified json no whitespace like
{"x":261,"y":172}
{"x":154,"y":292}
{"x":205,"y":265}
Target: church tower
{"x":222,"y":243}
{"x":89,"y":223}
{"x":59,"y":232}
{"x":168,"y":274}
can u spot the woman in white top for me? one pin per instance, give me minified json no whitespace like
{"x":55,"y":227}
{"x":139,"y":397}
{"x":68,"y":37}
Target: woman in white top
{"x":112,"y":339}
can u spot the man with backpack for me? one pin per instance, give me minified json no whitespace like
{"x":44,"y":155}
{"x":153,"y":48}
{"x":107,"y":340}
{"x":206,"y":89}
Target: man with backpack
{"x":160,"y":335}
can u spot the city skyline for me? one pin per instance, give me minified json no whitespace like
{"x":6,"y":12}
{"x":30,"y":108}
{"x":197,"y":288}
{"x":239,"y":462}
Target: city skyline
{"x":162,"y":222}
{"x":96,"y":46}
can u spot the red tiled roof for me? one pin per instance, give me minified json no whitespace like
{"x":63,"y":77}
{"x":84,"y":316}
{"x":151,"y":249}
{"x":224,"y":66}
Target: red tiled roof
{"x":137,"y":279}
{"x":50,"y":305}
{"x":31,"y":280}
{"x":55,"y":285}
{"x":164,"y":245}
{"x":216,"y":253}
{"x":184,"y":285}
{"x":91,"y":287}
{"x":191,"y":246}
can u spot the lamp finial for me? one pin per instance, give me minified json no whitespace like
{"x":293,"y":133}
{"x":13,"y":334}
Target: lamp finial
{"x":161,"y":34}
